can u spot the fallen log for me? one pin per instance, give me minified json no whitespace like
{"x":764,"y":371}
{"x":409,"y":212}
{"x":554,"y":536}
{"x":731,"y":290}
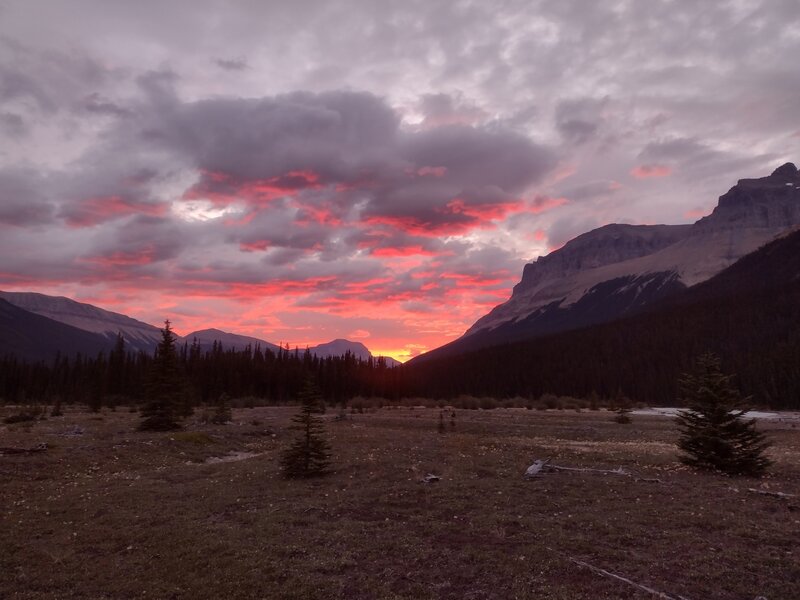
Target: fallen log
{"x":769,"y":493}
{"x":639,"y":586}
{"x":544,"y":466}
{"x":619,"y":471}
{"x":535,"y":468}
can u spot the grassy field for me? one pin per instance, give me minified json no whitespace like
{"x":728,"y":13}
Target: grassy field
{"x":107,"y":512}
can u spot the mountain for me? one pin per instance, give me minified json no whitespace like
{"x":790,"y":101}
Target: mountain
{"x":618,"y":270}
{"x":33,"y":337}
{"x":340,"y":347}
{"x":749,"y":314}
{"x":107,"y":324}
{"x":104,"y":326}
{"x":229,"y":341}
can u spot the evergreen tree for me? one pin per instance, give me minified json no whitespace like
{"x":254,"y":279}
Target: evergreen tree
{"x":714,"y":433}
{"x":222,"y":414}
{"x":309,"y":455}
{"x":623,"y":409}
{"x":164,"y":389}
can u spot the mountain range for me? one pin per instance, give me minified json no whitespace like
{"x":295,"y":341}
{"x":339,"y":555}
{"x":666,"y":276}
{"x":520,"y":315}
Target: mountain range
{"x":38,"y":327}
{"x":617,"y":280}
{"x":618,"y":270}
{"x":585,"y":343}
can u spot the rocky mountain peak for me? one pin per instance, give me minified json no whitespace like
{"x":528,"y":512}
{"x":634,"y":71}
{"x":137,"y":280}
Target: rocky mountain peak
{"x":605,"y":245}
{"x":767,"y":202}
{"x":610,"y":270}
{"x":785,"y":170}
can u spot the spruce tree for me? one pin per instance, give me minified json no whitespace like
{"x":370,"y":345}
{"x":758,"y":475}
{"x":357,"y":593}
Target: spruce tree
{"x":164,"y":387}
{"x":714,"y":433}
{"x":222,"y":414}
{"x":309,"y":455}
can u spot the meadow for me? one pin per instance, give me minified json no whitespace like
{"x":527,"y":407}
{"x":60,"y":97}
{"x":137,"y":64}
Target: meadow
{"x":108,"y":512}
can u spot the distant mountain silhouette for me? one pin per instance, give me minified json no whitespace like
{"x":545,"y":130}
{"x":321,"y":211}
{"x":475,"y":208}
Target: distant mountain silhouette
{"x":103,"y":326}
{"x":87,"y":317}
{"x":33,"y":337}
{"x":229,"y":341}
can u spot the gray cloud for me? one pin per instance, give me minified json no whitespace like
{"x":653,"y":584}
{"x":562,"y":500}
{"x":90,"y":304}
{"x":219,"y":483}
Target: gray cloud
{"x":579,"y":120}
{"x":23,"y":200}
{"x":231,"y":64}
{"x":12,"y":125}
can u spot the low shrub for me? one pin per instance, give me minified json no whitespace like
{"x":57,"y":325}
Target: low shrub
{"x":193,"y":437}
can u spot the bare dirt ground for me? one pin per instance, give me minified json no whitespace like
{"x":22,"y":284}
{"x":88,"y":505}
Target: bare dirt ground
{"x":107,"y":512}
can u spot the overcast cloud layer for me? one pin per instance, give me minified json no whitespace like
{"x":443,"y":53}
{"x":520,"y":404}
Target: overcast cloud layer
{"x":372,"y":170}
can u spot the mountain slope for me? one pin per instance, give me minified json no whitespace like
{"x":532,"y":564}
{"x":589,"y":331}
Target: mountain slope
{"x":749,"y":314}
{"x":107,"y":324}
{"x":229,"y":341}
{"x":33,"y":337}
{"x":340,"y":347}
{"x":616,"y":270}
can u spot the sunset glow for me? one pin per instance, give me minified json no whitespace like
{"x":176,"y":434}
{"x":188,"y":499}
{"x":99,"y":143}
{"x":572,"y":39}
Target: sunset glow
{"x":373,"y":174}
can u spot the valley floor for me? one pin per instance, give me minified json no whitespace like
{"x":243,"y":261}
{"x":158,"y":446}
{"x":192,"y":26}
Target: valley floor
{"x":106,"y":512}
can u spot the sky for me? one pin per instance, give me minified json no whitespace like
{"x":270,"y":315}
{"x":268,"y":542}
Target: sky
{"x":363,"y":169}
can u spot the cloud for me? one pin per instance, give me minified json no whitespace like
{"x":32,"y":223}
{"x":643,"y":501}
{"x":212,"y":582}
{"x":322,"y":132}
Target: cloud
{"x":231,"y":64}
{"x":579,"y":120}
{"x":446,"y":109}
{"x":648,"y":171}
{"x":23,"y":199}
{"x":13,"y":125}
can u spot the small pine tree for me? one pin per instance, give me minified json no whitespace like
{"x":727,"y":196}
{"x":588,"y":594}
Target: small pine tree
{"x":714,"y":433}
{"x":164,"y":389}
{"x":57,"y":412}
{"x":622,"y":408}
{"x":222,"y":414}
{"x":309,"y":455}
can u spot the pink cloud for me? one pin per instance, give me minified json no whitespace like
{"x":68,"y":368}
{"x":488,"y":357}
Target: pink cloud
{"x":649,"y":171}
{"x":94,"y":211}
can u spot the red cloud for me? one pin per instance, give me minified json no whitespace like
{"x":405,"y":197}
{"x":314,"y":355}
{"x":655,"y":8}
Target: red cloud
{"x":541,"y":204}
{"x":494,"y":211}
{"x":257,"y":246}
{"x":432,"y":171}
{"x":143,"y":256}
{"x":403,"y":251}
{"x":222,"y":190}
{"x":94,"y":211}
{"x":648,"y":171}
{"x":414,"y":226}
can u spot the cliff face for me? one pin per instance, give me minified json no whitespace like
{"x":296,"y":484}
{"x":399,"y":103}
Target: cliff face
{"x":769,"y":202}
{"x":603,"y":246}
{"x":647,"y":257}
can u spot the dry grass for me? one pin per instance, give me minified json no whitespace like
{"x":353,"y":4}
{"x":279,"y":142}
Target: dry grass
{"x":113,"y":513}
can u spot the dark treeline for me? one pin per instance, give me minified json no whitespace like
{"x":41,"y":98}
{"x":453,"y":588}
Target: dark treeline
{"x":121,"y":377}
{"x":748,"y":315}
{"x":757,"y":336}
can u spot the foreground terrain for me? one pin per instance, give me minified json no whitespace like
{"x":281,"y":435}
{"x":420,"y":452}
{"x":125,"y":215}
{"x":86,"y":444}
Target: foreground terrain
{"x":106,"y":512}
